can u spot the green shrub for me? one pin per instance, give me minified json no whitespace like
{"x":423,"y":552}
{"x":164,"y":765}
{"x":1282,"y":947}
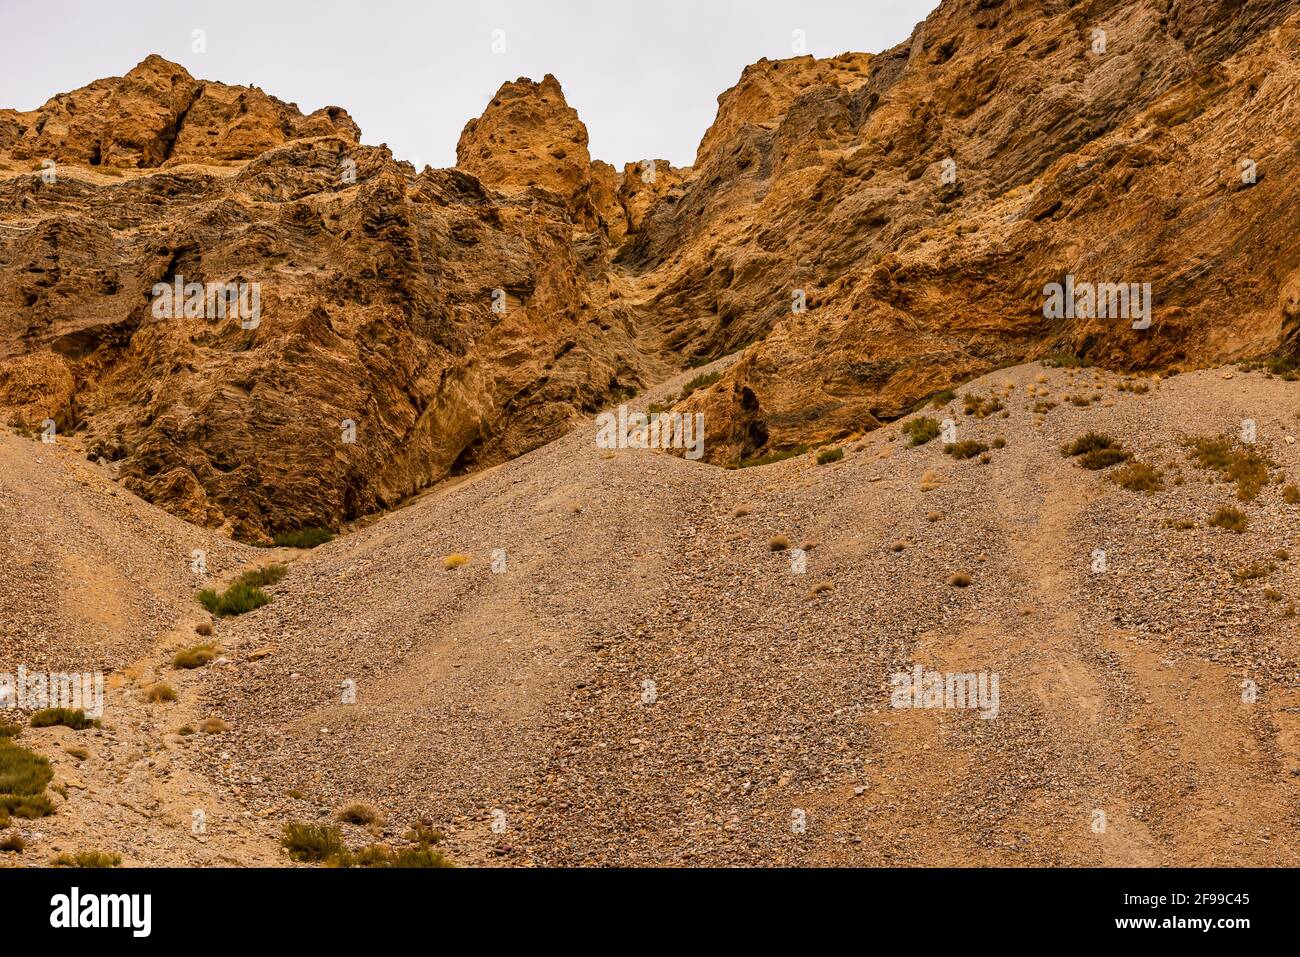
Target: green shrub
{"x":66,"y":717}
{"x":239,"y":599}
{"x":311,"y":842}
{"x":827,"y":456}
{"x":23,"y":778}
{"x":22,"y":772}
{"x":700,"y":382}
{"x":922,"y":430}
{"x":264,"y":576}
{"x":309,"y":537}
{"x":942,"y":398}
{"x":1245,"y":465}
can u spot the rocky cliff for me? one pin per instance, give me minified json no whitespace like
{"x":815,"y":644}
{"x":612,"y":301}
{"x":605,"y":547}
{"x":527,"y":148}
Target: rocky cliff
{"x":869,"y":229}
{"x":410,"y":326}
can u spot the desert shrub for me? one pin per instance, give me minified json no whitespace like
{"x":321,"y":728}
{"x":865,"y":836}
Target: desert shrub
{"x":204,"y":629}
{"x":358,"y":813}
{"x":66,"y":717}
{"x":959,"y":580}
{"x":22,"y":772}
{"x":700,"y":382}
{"x":1291,"y":495}
{"x":311,"y":843}
{"x":922,"y":430}
{"x":1043,"y":408}
{"x":87,"y":859}
{"x":1138,"y":477}
{"x":263,"y":577}
{"x":12,"y":843}
{"x":309,"y":537}
{"x":159,"y":693}
{"x":1234,"y":520}
{"x":424,"y":834}
{"x":195,"y":657}
{"x":213,"y":726}
{"x":821,"y":588}
{"x":239,"y":599}
{"x":942,"y":398}
{"x":981,"y":407}
{"x":23,"y":777}
{"x":381,"y":855}
{"x":827,"y":456}
{"x":79,"y":753}
{"x":1244,"y":465}
{"x":1090,"y":442}
{"x":8,"y":730}
{"x":454,"y":561}
{"x":1099,"y":459}
{"x":778,"y":543}
{"x":965,"y":450}
{"x":1253,"y":571}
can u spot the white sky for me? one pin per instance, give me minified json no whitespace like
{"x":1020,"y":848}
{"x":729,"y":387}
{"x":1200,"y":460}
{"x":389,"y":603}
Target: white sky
{"x":644,"y":76}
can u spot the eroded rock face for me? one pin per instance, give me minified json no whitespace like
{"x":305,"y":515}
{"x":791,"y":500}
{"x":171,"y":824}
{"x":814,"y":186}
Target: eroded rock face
{"x":919,"y":209}
{"x":410,"y":326}
{"x":868,"y":229}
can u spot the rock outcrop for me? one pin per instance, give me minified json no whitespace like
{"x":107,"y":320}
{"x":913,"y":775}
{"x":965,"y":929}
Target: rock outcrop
{"x":409,"y":326}
{"x":869,"y":229}
{"x":874,"y":238}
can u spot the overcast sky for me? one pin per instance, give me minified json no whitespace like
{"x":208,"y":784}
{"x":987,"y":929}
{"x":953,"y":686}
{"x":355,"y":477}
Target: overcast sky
{"x":644,"y":76}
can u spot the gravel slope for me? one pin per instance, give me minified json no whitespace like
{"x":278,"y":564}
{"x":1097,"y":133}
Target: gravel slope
{"x":524,"y":692}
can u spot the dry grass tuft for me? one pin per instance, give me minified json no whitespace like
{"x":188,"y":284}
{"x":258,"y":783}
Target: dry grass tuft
{"x":778,"y":543}
{"x":358,"y":813}
{"x":455,"y":561}
{"x":87,"y":859}
{"x":159,"y":693}
{"x":1138,"y":477}
{"x":1234,"y":520}
{"x":195,"y":657}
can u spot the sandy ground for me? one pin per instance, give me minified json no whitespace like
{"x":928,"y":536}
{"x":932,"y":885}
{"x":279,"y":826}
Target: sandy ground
{"x":646,"y":683}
